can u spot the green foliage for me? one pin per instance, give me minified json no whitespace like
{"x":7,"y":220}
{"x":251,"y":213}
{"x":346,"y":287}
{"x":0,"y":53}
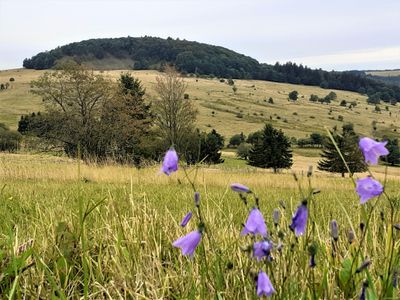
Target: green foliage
{"x":231,"y":82}
{"x":202,"y":59}
{"x":393,"y":158}
{"x":272,"y":150}
{"x":237,"y":139}
{"x":86,"y":111}
{"x":314,"y":98}
{"x":330,"y":97}
{"x":9,"y":140}
{"x":243,"y":150}
{"x":74,"y":98}
{"x":125,"y":121}
{"x":293,"y":95}
{"x":254,"y":137}
{"x":210,"y":147}
{"x":203,"y":147}
{"x":347,"y":142}
{"x":315,"y":140}
{"x":374,"y":99}
{"x":343,"y":103}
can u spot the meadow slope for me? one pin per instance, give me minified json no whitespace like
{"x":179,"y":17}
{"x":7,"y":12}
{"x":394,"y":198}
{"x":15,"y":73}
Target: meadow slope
{"x":230,"y":113}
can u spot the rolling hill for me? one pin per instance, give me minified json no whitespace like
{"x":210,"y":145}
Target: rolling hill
{"x":191,"y":57}
{"x":230,"y":113}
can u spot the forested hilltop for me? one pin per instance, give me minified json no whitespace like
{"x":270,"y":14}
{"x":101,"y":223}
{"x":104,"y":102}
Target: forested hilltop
{"x":203,"y":59}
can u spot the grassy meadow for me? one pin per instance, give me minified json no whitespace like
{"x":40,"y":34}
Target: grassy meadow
{"x":219,"y":107}
{"x":105,"y":232}
{"x":70,"y":230}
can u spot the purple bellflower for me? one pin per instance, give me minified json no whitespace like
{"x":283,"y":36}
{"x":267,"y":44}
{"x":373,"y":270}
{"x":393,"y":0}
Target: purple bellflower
{"x":372,"y":150}
{"x":186,"y":219}
{"x":240,"y":188}
{"x":276,"y":216}
{"x":299,"y":219}
{"x":334,"y":230}
{"x":170,"y":163}
{"x":255,"y":224}
{"x":264,"y":285}
{"x":197,"y":199}
{"x":368,"y":188}
{"x":188,"y":243}
{"x":262,"y":249}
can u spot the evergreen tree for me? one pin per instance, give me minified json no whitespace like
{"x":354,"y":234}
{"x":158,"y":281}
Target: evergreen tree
{"x":210,"y":147}
{"x":125,"y":120}
{"x":293,"y":95}
{"x":272,"y":150}
{"x":347,"y":143}
{"x":393,"y":158}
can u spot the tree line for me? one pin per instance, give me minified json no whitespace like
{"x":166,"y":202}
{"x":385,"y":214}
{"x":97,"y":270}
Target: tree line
{"x":94,"y":118}
{"x":271,"y":148}
{"x":202,"y":59}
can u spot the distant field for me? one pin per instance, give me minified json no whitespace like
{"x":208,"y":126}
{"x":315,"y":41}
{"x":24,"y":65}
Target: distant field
{"x":385,"y":73}
{"x":228,"y":112}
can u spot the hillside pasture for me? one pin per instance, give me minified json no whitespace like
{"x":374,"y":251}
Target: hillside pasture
{"x":229,"y":112}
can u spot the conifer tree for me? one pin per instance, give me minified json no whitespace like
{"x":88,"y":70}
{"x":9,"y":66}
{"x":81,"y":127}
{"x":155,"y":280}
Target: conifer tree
{"x":393,"y":158}
{"x":272,"y":150}
{"x":347,"y":142}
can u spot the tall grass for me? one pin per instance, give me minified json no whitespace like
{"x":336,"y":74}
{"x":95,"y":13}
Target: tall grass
{"x":108,"y":233}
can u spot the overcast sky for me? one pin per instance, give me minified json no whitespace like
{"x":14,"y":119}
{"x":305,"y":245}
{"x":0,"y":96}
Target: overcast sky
{"x":340,"y":34}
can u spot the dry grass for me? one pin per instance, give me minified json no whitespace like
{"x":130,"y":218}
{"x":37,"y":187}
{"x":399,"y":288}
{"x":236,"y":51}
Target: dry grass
{"x":385,"y":73}
{"x":218,"y":106}
{"x":122,"y":250}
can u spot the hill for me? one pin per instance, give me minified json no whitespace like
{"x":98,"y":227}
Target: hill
{"x":391,"y":77}
{"x":203,"y":59}
{"x":230,"y":113}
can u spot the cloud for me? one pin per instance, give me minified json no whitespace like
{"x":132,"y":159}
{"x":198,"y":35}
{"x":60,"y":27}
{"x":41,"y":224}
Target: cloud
{"x":354,"y":58}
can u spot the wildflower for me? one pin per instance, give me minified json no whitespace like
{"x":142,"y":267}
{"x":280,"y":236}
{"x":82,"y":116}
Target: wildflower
{"x":186,"y":219}
{"x":264,"y":286}
{"x":255,"y":224}
{"x":312,"y":263}
{"x":240,"y":188}
{"x":372,"y":150}
{"x":364,"y":290}
{"x":362,"y":226}
{"x":334,"y":230}
{"x":351,"y":236}
{"x":363,"y":266}
{"x":299,"y":219}
{"x":188,"y":243}
{"x":170,"y":163}
{"x":276,"y":216}
{"x":312,"y":250}
{"x":196,"y":199}
{"x":382,"y":215}
{"x":368,"y":188}
{"x":261,"y":249}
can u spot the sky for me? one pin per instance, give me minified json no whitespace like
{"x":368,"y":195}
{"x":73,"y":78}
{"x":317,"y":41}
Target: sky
{"x":332,"y":35}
